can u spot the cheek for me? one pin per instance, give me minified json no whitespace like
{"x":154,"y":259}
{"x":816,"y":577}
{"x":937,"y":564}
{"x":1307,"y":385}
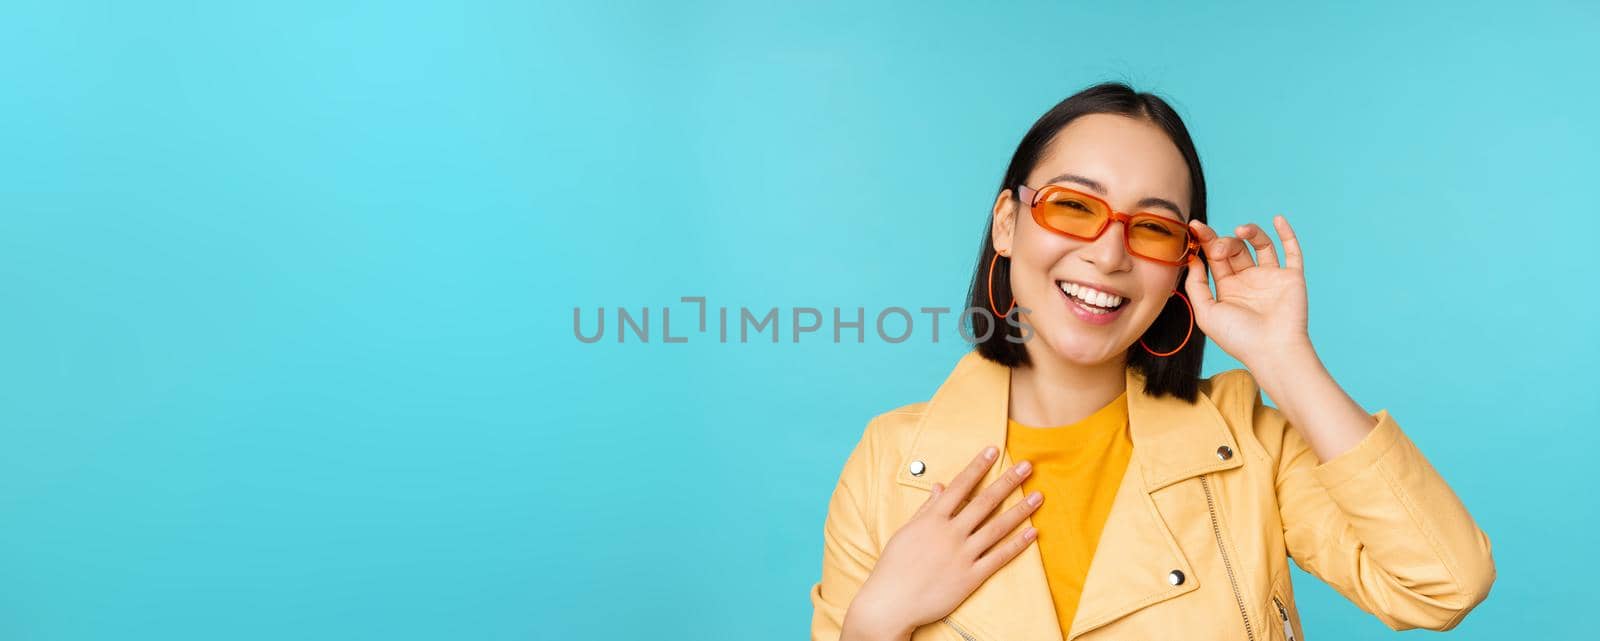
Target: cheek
{"x":1162,"y":280}
{"x":1036,"y":256}
{"x":1158,"y":286}
{"x":1030,"y":280}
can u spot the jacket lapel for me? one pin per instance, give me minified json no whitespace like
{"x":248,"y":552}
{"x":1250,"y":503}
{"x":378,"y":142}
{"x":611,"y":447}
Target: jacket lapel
{"x":1172,"y":441}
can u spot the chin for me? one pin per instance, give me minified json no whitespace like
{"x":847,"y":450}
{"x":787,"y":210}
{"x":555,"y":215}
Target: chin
{"x":1079,"y":350}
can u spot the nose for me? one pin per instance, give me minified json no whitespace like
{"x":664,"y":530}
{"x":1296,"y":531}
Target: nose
{"x":1109,"y":252}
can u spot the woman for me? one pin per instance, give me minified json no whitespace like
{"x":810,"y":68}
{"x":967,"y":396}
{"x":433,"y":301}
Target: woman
{"x":1134,"y":499}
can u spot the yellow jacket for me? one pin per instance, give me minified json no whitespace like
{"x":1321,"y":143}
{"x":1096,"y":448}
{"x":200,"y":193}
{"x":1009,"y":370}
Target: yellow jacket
{"x":1218,"y":495}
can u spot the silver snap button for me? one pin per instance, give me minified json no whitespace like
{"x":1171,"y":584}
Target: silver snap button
{"x":1224,"y":452}
{"x":1175,"y":577}
{"x":918,"y":467}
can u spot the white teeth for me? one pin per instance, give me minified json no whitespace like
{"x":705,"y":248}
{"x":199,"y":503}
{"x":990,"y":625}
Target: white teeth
{"x":1091,"y":296}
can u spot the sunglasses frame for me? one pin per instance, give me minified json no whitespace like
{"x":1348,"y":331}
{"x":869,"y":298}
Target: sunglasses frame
{"x":1035,"y":196}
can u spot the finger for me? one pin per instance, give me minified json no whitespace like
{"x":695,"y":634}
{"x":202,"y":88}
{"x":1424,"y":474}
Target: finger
{"x":1211,"y":249}
{"x":1199,"y":291}
{"x":1239,"y":258}
{"x":963,"y":483}
{"x":1292,"y":257}
{"x":1007,"y":521}
{"x":1003,"y":552}
{"x":979,"y":508}
{"x":938,"y":488}
{"x":1266,"y":253}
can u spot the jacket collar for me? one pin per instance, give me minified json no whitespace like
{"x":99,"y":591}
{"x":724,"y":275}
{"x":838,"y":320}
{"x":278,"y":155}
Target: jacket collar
{"x":1172,"y":440}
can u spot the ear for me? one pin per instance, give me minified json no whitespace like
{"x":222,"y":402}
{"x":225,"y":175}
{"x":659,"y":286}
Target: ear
{"x":1005,"y":222}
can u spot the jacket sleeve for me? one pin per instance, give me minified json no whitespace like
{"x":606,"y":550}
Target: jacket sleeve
{"x":1379,"y":525}
{"x":849,"y":546}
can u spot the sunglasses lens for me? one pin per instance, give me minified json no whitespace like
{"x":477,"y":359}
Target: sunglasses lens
{"x":1072,"y":214}
{"x":1080,"y":215}
{"x":1157,"y":237}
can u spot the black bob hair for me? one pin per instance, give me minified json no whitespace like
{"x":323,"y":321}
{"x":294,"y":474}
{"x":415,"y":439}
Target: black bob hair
{"x":1178,"y":374}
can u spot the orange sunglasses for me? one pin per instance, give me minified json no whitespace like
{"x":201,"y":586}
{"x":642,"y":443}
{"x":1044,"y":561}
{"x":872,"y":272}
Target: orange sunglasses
{"x":1075,"y":214}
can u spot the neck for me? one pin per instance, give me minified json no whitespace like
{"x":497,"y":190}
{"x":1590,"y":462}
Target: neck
{"x":1051,"y":391}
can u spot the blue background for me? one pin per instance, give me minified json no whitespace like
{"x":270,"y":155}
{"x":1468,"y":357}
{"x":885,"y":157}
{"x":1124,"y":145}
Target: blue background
{"x":287,"y":290}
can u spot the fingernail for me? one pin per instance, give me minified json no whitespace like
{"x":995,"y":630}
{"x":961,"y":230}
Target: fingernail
{"x":1035,"y":499}
{"x":990,"y":452}
{"x":1023,"y":468}
{"x":1030,"y":533}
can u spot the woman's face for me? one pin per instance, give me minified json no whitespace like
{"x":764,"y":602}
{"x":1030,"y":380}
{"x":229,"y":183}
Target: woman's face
{"x":1132,"y":165}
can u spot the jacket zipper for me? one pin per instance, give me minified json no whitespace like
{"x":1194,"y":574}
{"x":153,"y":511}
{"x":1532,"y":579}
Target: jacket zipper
{"x":1216,"y":529}
{"x":1283,"y":613}
{"x":958,"y":630}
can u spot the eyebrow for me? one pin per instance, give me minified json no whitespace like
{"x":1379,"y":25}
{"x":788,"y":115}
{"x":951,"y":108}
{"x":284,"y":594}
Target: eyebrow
{"x":1099,"y":188}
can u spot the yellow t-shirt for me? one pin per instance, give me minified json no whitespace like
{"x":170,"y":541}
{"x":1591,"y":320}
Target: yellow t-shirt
{"x":1078,"y":468}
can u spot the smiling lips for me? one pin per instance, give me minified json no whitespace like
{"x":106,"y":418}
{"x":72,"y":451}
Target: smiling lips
{"x":1094,"y":299}
{"x":1090,"y":305}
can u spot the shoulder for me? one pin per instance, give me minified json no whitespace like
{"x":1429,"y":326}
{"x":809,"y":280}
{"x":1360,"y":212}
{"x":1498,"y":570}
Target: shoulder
{"x":1235,"y":389}
{"x":895,"y":429}
{"x":885,"y":438}
{"x":1237,"y":396}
